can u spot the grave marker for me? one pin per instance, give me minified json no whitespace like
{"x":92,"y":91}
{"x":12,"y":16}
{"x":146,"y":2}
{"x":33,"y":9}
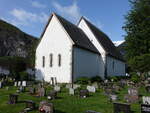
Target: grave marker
{"x":145,"y":108}
{"x":57,"y":88}
{"x":15,"y":84}
{"x":0,"y":84}
{"x":52,"y":95}
{"x":24,"y":83}
{"x":146,"y":100}
{"x":84,"y":93}
{"x":91,"y":89}
{"x":19,"y":83}
{"x":46,"y":107}
{"x":122,"y":108}
{"x":71,"y":91}
{"x":13,"y":98}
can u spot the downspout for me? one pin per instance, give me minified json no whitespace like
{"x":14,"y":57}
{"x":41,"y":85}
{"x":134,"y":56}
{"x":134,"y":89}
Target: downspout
{"x":72,"y":74}
{"x":105,"y":67}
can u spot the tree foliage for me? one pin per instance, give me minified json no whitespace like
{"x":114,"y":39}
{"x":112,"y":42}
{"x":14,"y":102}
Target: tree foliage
{"x":137,"y":27}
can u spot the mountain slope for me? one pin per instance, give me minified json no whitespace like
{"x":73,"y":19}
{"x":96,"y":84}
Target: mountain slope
{"x":14,"y":42}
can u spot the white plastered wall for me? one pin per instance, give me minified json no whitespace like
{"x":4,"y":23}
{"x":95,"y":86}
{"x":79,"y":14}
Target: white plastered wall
{"x":54,"y":41}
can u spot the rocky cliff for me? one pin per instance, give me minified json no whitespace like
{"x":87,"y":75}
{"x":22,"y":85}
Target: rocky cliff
{"x":14,"y":42}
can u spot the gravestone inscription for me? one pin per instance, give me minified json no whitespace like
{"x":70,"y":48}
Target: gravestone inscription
{"x":145,"y":108}
{"x":146,"y":100}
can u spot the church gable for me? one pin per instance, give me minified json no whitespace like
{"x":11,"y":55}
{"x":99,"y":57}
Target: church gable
{"x":102,"y":38}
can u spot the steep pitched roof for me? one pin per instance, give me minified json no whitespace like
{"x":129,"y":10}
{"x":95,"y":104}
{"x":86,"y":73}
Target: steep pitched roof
{"x":104,"y":40}
{"x":76,"y":34}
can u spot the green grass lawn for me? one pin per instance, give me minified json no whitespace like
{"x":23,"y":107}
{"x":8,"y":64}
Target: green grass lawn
{"x":66,"y":103}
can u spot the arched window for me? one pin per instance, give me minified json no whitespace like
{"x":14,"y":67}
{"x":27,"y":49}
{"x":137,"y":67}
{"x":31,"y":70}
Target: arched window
{"x":43,"y":61}
{"x":59,"y":60}
{"x":51,"y":60}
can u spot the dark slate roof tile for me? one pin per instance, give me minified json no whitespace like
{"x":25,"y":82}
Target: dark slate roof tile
{"x":104,"y":40}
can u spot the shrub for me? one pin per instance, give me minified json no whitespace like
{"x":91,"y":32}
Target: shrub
{"x":24,"y":75}
{"x":83,"y":80}
{"x":134,"y":77}
{"x":96,"y":79}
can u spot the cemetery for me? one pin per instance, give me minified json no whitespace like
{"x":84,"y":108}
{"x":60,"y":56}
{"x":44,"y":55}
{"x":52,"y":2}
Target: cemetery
{"x":99,"y":97}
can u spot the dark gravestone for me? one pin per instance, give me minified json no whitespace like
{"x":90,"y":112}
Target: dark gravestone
{"x":52,"y":95}
{"x":147,"y":88}
{"x":132,"y":96}
{"x":32,"y":90}
{"x":122,"y":108}
{"x":30,"y":104}
{"x":84,"y":93}
{"x":13,"y":98}
{"x":145,"y":108}
{"x":46,"y":107}
{"x":108,"y":91}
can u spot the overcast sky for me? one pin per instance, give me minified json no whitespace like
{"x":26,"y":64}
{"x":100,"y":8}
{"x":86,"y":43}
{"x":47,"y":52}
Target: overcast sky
{"x":31,"y":15}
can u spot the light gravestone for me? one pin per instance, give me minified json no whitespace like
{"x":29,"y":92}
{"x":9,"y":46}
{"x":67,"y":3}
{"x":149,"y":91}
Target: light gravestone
{"x":15,"y":84}
{"x":91,"y":89}
{"x":0,"y":84}
{"x":96,"y":85}
{"x":24,"y":83}
{"x":71,"y":91}
{"x":19,"y":83}
{"x":146,"y":100}
{"x":113,"y":97}
{"x":57,"y":88}
{"x":68,"y":86}
{"x":75,"y":86}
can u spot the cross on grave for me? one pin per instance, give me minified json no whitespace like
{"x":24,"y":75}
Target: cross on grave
{"x":46,"y":107}
{"x":122,"y":108}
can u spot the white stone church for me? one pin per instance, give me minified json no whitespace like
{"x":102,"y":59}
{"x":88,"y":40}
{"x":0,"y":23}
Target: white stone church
{"x":67,"y":51}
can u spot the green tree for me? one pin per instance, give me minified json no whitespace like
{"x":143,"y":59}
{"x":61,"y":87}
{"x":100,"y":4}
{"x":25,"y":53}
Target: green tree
{"x":137,"y":27}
